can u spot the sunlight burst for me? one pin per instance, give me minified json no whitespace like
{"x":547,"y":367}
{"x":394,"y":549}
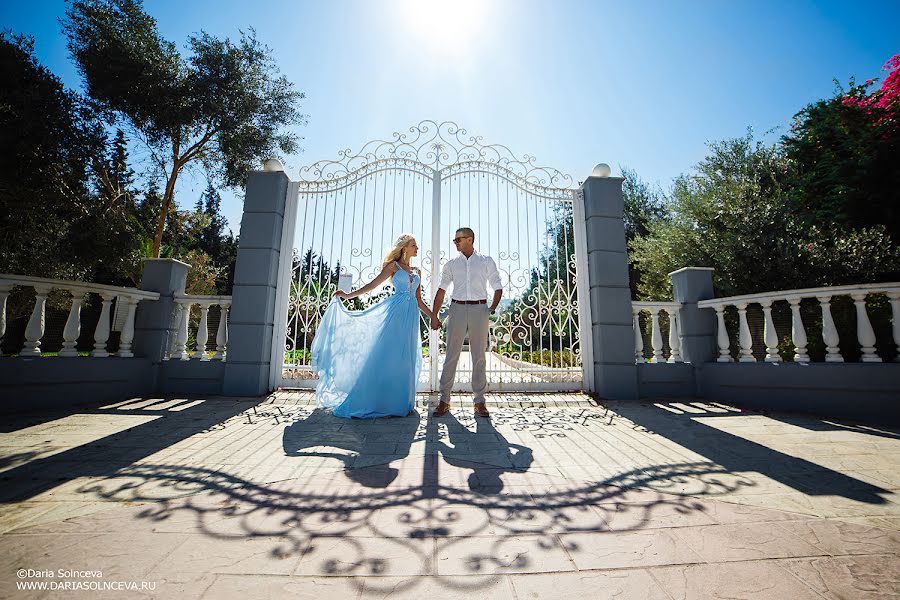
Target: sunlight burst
{"x":446,"y":26}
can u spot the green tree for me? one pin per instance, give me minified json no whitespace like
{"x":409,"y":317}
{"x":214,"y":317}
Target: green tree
{"x":732,"y":214}
{"x":844,"y":153}
{"x":643,"y":206}
{"x":225,"y":106}
{"x":47,"y":137}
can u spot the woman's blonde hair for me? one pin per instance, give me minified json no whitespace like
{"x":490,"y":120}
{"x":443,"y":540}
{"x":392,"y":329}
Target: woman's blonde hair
{"x":397,"y":250}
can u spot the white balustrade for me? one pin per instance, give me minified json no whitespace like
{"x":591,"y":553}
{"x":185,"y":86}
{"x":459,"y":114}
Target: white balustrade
{"x":894,"y":298}
{"x":73,"y":327}
{"x":4,"y":293}
{"x":674,"y":334}
{"x":745,"y":340}
{"x":638,"y":338}
{"x":184,"y":302}
{"x":127,"y":334}
{"x":770,"y":336}
{"x":865,"y":333}
{"x":656,"y":339}
{"x":42,"y":286}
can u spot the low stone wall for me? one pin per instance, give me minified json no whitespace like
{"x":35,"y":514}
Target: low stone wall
{"x":666,"y":380}
{"x":191,"y":377}
{"x":860,"y":391}
{"x":29,"y":383}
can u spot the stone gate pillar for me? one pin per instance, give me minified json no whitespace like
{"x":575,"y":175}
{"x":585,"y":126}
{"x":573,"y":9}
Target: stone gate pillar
{"x":615,"y":374}
{"x":252,"y":318}
{"x":697,"y":325}
{"x":153,"y":324}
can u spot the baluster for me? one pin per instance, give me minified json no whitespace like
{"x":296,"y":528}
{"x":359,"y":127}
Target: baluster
{"x":722,"y":336}
{"x":4,"y":293}
{"x":798,"y":332}
{"x":222,"y":333}
{"x":34,"y":331}
{"x":829,"y":331}
{"x":202,"y":334}
{"x":101,"y":334}
{"x":656,"y":338}
{"x":173,"y":333}
{"x":674,"y":336}
{"x":770,"y":336}
{"x":181,"y":339}
{"x":73,"y":326}
{"x":745,"y":339}
{"x":864,"y":332}
{"x":127,"y":335}
{"x":638,"y":338}
{"x":895,"y":320}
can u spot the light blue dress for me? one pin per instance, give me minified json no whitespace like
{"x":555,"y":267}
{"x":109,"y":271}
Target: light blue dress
{"x":368,"y":361}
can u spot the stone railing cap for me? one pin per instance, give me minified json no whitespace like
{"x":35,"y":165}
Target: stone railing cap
{"x":174,"y":260}
{"x":691,"y":269}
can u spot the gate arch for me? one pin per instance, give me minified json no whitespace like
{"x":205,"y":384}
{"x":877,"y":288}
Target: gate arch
{"x":341,"y":214}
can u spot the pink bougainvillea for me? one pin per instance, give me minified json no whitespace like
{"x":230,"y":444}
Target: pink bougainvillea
{"x":883,"y":104}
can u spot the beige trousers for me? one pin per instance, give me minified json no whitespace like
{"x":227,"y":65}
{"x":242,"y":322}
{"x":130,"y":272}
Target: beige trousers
{"x":474,"y":319}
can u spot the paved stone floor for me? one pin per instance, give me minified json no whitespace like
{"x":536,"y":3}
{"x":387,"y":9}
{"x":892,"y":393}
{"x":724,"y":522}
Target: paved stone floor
{"x":554,"y":497}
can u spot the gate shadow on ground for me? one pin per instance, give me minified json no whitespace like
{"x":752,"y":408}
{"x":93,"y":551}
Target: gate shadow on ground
{"x":406,"y":519}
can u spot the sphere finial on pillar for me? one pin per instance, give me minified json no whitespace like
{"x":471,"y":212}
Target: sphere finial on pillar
{"x":272,"y":164}
{"x":601,"y":170}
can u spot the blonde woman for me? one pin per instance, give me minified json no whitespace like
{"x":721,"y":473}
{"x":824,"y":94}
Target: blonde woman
{"x":368,"y":361}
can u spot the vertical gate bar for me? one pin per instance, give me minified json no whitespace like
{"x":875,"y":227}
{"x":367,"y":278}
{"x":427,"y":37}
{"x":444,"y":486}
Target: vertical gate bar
{"x":568,"y":252}
{"x":585,"y":339}
{"x":433,"y":343}
{"x":283,"y":292}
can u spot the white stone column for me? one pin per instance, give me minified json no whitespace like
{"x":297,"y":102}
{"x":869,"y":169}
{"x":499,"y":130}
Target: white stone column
{"x":674,"y":336}
{"x":4,"y":294}
{"x":745,"y":339}
{"x":722,"y":336}
{"x":127,"y":335}
{"x":656,"y":338}
{"x":798,"y":332}
{"x":73,"y":326}
{"x":101,"y":334}
{"x":829,"y":331}
{"x":202,"y":334}
{"x":864,"y":332}
{"x":894,"y":298}
{"x":222,"y":333}
{"x":770,"y":336}
{"x":34,"y":331}
{"x":181,"y":340}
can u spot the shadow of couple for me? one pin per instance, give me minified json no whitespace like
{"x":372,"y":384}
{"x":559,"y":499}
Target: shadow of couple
{"x":367,"y":448}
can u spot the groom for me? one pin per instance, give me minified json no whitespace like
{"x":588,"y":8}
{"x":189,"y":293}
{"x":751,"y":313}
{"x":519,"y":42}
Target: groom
{"x":470,"y":273}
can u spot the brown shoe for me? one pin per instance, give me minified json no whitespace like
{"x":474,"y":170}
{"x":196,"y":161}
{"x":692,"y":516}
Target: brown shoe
{"x":442,"y":409}
{"x":481,"y":410}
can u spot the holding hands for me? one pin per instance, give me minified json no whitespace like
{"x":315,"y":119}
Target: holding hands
{"x":435,"y":322}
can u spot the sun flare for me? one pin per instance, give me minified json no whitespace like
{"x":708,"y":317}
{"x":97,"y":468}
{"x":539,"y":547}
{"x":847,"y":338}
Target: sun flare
{"x":446,"y":26}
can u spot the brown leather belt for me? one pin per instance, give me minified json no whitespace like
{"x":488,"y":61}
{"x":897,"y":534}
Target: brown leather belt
{"x":469,"y":301}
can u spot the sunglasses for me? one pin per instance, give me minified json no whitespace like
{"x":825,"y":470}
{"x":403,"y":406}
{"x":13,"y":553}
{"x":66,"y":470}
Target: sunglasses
{"x":457,"y":240}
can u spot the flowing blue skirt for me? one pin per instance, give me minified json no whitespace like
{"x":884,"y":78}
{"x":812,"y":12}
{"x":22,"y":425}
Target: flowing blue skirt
{"x":368,"y":361}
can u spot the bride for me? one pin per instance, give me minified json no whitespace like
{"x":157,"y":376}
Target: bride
{"x":368,"y":361}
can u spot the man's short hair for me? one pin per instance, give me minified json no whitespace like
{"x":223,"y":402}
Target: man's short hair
{"x":467,"y":232}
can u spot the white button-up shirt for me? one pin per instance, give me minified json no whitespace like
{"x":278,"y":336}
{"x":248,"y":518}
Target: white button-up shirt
{"x":471,"y":276}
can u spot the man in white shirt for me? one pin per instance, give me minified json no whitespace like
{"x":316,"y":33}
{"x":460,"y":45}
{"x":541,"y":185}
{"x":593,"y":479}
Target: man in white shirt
{"x":470,"y":273}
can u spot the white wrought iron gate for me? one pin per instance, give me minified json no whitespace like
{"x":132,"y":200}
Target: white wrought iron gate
{"x":342,"y":215}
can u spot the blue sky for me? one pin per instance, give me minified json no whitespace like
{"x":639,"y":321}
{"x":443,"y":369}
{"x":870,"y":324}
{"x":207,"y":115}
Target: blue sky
{"x":641,"y":85}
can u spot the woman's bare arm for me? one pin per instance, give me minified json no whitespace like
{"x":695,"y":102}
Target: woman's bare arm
{"x":385,"y":274}
{"x":422,"y":306}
